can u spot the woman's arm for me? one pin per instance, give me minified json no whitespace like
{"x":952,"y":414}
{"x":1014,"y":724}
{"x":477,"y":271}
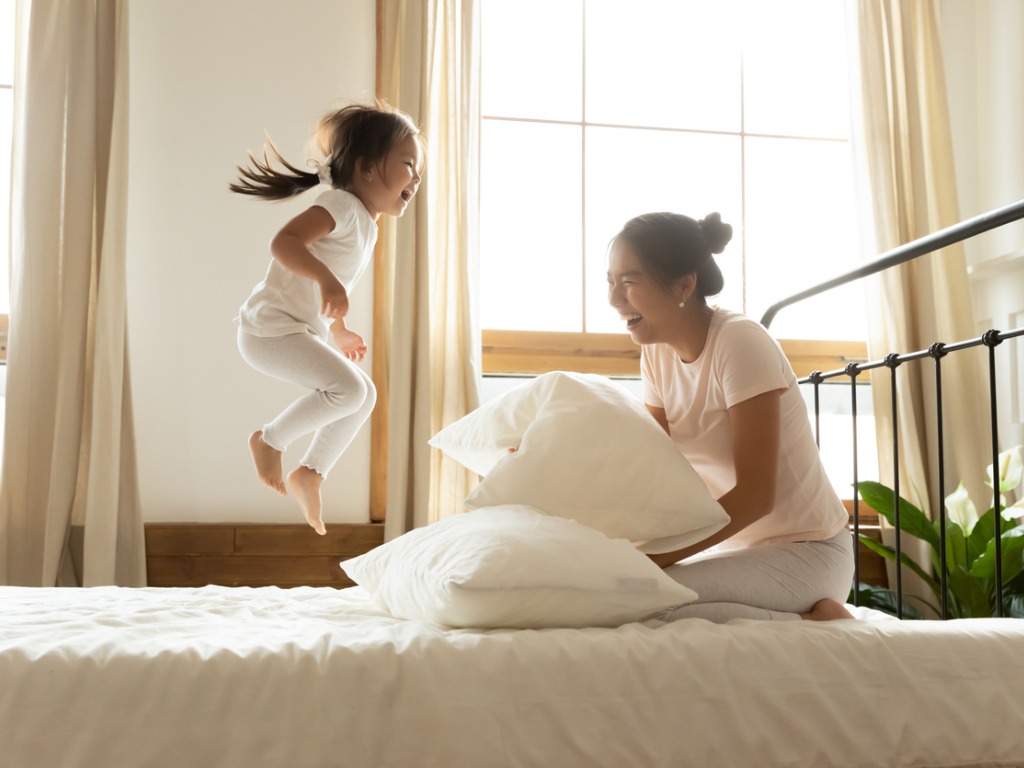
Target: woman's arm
{"x":290,"y":246}
{"x":755,"y":427}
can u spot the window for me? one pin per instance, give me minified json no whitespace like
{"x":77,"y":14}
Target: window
{"x":595,"y":111}
{"x":6,"y":126}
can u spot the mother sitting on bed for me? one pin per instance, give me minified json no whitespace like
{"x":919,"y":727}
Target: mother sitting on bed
{"x":725,"y":393}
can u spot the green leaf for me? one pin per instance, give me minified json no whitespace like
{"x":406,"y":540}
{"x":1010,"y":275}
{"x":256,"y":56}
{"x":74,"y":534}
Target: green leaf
{"x":980,"y":537}
{"x":1013,"y":597}
{"x":956,"y":548}
{"x":912,"y":519}
{"x":1013,"y":606}
{"x":974,"y":597}
{"x":1013,"y":556}
{"x":889,"y":553}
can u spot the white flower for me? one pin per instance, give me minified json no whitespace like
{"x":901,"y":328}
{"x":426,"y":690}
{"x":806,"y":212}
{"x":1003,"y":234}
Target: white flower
{"x":1014,"y":511}
{"x":961,"y":509}
{"x":1011,"y":467}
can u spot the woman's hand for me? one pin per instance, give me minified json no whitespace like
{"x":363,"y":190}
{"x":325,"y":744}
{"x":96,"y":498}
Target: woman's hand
{"x":755,"y":425}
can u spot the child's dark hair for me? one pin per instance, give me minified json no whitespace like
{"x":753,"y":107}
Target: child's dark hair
{"x":351,"y":134}
{"x":670,"y":245}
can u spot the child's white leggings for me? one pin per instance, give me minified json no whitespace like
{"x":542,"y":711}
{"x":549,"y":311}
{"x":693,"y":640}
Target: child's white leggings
{"x":771,"y":581}
{"x":340,"y":400}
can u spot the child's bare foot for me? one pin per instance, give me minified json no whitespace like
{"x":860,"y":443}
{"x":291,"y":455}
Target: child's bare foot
{"x":826,"y":610}
{"x":305,"y":484}
{"x":268,"y":462}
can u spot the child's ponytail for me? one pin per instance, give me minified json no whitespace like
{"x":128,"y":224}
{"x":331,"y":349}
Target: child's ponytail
{"x":261,"y":179}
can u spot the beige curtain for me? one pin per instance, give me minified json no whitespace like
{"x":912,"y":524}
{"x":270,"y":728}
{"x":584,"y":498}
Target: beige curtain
{"x":426,"y":344}
{"x":903,"y":143}
{"x":69,"y":510}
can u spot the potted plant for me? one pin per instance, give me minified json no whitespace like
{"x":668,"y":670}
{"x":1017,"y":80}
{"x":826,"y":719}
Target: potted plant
{"x":971,"y":541}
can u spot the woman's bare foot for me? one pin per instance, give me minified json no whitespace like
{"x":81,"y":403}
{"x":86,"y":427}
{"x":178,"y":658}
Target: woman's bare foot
{"x":827,"y":610}
{"x":268,"y":462}
{"x":305,"y":484}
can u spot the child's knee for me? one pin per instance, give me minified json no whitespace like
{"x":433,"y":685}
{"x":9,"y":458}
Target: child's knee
{"x":371,"y":396}
{"x":348,"y":395}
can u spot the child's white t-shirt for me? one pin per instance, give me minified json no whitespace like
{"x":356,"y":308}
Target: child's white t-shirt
{"x":285,"y":302}
{"x":741,"y":360}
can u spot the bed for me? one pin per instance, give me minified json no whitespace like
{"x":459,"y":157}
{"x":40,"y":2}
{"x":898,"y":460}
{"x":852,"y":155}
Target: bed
{"x":508,"y":636}
{"x":219,"y":676}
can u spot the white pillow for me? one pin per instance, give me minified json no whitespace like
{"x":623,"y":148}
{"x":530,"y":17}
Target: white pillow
{"x":513,"y":566}
{"x":587,"y":450}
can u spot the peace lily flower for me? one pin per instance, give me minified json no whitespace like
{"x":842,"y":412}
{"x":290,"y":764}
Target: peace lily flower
{"x":961,"y":509}
{"x":967,"y":551}
{"x":1014,"y":511}
{"x":1011,"y":467}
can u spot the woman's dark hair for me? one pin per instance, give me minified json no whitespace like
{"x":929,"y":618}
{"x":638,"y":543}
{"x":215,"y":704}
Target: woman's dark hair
{"x":670,"y":245}
{"x":351,"y":134}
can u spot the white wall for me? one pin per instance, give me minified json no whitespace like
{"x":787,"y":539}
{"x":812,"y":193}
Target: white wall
{"x":208,"y":78}
{"x":984,"y":64}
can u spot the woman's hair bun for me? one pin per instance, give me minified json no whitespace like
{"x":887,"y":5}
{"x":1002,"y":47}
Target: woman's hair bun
{"x":717,"y":233}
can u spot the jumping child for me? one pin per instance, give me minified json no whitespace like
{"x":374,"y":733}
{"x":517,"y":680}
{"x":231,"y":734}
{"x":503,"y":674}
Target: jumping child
{"x":373,"y":159}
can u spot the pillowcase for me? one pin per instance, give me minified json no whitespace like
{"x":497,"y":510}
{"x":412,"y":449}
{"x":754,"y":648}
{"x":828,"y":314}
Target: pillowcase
{"x":512,"y":566}
{"x":587,"y":450}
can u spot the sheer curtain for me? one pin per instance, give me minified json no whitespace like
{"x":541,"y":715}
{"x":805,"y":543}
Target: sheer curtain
{"x":906,"y":163}
{"x":69,"y":510}
{"x":426,"y":342}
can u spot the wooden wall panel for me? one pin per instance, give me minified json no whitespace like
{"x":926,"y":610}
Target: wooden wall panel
{"x":254,"y":555}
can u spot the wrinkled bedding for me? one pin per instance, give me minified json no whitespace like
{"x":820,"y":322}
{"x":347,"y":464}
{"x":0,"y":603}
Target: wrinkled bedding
{"x":238,"y":677}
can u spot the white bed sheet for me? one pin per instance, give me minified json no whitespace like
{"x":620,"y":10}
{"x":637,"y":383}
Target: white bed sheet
{"x":216,"y":676}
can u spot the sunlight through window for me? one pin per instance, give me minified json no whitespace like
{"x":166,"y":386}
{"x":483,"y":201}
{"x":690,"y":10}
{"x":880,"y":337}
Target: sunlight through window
{"x":597,"y":111}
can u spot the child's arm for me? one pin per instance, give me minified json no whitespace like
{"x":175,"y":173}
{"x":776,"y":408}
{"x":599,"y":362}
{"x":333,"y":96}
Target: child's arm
{"x":290,"y":246}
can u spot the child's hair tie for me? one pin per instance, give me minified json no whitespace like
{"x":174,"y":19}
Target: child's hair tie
{"x":323,"y":170}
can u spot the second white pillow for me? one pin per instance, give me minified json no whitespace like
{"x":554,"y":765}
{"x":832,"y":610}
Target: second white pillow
{"x":591,"y":452}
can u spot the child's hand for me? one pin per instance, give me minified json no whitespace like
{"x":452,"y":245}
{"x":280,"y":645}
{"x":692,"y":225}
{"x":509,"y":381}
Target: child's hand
{"x":333,"y":298}
{"x":351,"y":344}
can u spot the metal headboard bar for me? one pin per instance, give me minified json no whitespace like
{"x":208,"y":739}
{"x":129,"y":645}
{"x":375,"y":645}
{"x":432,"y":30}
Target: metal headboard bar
{"x":937,"y":351}
{"x":957,"y":233}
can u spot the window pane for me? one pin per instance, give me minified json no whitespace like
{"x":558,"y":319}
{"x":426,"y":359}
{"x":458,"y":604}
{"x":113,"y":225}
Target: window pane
{"x":794,"y":68}
{"x":632,"y":171}
{"x":532,"y":59}
{"x":663,"y":63}
{"x":530,"y":227}
{"x":6,"y":124}
{"x":801,"y":229}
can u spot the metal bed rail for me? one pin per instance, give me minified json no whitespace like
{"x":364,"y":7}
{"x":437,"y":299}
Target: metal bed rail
{"x":957,"y":233}
{"x":936,"y":352}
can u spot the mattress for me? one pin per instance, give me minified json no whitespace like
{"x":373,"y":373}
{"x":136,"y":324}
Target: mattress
{"x":237,"y":677}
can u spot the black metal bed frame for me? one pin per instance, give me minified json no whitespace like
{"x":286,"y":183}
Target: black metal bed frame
{"x":936,"y":352}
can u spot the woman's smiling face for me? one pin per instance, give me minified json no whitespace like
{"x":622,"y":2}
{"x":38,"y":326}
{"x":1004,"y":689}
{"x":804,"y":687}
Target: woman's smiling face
{"x":648,"y":308}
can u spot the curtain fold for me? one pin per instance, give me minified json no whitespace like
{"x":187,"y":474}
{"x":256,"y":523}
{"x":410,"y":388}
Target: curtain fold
{"x":905,"y":162}
{"x":69,"y":506}
{"x":426,"y":340}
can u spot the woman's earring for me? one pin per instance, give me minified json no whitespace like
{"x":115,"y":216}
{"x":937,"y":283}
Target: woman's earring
{"x":682,"y":301}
